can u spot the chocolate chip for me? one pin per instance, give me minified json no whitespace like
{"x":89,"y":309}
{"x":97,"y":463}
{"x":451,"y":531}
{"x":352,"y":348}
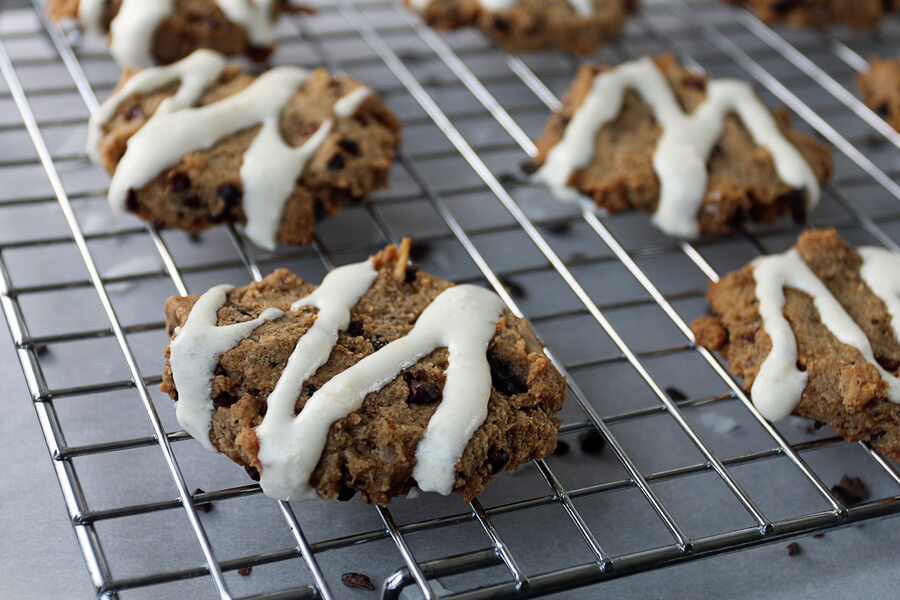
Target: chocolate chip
{"x":349,"y":146}
{"x":409,"y":276}
{"x":219,"y":370}
{"x":851,"y":490}
{"x":592,"y":442}
{"x":178,"y":181}
{"x":814,"y":426}
{"x":562,"y":448}
{"x":800,"y":366}
{"x":224,"y":400}
{"x":675,"y":394}
{"x":694,"y":81}
{"x":513,"y":288}
{"x":135,"y":112}
{"x":203,"y":506}
{"x":229,"y":194}
{"x":310,"y":389}
{"x":131,"y":203}
{"x":529,"y":167}
{"x":346,"y":492}
{"x":336,"y":163}
{"x":252,"y":473}
{"x":358,"y":581}
{"x":888,"y":364}
{"x":258,"y":54}
{"x":244,"y":571}
{"x":749,"y":335}
{"x":497,"y":459}
{"x":501,"y":24}
{"x":355,"y":329}
{"x":503,"y":379}
{"x":377,"y":342}
{"x":422,"y":392}
{"x":797,"y":200}
{"x":794,"y":549}
{"x":417,"y":375}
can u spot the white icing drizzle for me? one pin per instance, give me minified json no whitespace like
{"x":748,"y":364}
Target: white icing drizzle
{"x":270,"y":166}
{"x":581,"y":7}
{"x":195,"y":73}
{"x":194,"y":353}
{"x":683,"y":149}
{"x":881,"y":272}
{"x":779,"y":384}
{"x":462,"y":319}
{"x":134,"y":26}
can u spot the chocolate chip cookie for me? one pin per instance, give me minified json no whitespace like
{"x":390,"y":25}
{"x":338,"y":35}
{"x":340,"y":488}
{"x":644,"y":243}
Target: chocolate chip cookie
{"x":828,"y":348}
{"x":367,"y":416}
{"x":705,"y":156}
{"x":573,"y":25}
{"x":274,"y":153}
{"x":880,"y":88}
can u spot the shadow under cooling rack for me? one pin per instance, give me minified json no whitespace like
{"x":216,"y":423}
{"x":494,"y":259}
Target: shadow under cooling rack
{"x":690,"y":469}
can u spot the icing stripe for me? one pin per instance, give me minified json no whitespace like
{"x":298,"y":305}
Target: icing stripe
{"x":198,"y":346}
{"x":195,"y":73}
{"x":881,"y":272}
{"x":133,"y":28}
{"x":270,"y":166}
{"x":779,"y":385}
{"x":581,"y":7}
{"x":683,"y":149}
{"x":462,"y":319}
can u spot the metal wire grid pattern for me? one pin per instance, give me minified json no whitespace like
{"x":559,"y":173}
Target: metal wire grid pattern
{"x":469,"y":111}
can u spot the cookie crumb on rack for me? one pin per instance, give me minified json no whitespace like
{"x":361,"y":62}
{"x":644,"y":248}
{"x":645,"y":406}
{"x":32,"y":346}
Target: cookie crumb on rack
{"x":794,"y":549}
{"x":851,"y":490}
{"x":357,"y":581}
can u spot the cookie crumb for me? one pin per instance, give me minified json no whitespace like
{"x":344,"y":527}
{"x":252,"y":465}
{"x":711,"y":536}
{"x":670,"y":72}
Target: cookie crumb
{"x":592,"y":442}
{"x":851,"y":490}
{"x":202,"y":506}
{"x":818,"y":536}
{"x":794,"y":549}
{"x":244,"y":571}
{"x":358,"y":581}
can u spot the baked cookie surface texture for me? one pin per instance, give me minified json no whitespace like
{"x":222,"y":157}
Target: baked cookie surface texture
{"x":201,"y":142}
{"x":381,"y":378}
{"x":520,"y":25}
{"x":146,"y":32}
{"x":880,"y":88}
{"x":705,"y":156}
{"x":815,"y":332}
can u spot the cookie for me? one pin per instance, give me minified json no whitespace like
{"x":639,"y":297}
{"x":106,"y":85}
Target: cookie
{"x":201,"y":142}
{"x":144,"y":32}
{"x":880,"y":88}
{"x":856,"y":14}
{"x":705,"y":156}
{"x":349,"y":386}
{"x":815,"y":332}
{"x":520,"y":25}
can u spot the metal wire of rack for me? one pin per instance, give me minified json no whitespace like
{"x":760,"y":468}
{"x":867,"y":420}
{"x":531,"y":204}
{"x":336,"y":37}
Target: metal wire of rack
{"x":691,"y":468}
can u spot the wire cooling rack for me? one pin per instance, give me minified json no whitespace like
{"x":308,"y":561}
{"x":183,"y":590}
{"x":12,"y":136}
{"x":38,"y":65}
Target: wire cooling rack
{"x":690,"y":468}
